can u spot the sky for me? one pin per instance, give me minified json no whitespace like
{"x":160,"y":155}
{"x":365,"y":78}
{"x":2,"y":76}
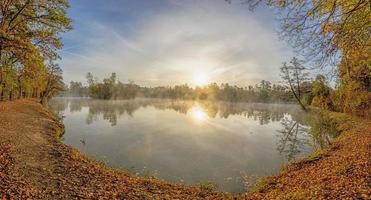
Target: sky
{"x":170,"y":42}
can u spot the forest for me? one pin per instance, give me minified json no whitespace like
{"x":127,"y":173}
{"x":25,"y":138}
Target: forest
{"x":296,"y":87}
{"x":113,"y":89}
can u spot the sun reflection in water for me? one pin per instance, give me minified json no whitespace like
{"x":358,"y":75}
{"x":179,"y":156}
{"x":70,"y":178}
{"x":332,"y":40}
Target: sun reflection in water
{"x":198,"y":114}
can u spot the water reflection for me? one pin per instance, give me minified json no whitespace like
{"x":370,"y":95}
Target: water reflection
{"x":200,"y":111}
{"x":292,"y":140}
{"x":198,"y":114}
{"x":189,"y":141}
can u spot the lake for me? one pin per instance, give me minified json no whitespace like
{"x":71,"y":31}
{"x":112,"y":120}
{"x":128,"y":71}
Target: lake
{"x":191,"y":142}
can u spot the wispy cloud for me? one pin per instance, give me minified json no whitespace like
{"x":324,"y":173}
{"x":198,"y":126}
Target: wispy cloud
{"x":224,"y":41}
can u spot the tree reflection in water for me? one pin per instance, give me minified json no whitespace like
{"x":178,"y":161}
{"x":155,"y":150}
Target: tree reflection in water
{"x":291,"y":138}
{"x":298,"y":130}
{"x":112,"y":110}
{"x":315,"y":130}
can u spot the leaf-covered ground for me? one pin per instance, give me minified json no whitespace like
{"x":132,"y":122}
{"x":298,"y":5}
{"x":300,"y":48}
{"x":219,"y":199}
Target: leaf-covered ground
{"x":34,"y":164}
{"x":341,"y":171}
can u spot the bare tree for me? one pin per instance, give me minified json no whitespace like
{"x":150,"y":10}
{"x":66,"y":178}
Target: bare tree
{"x":323,"y":31}
{"x":294,"y":76}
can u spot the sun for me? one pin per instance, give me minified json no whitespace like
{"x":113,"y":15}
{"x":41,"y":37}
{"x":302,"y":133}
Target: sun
{"x":200,"y":79}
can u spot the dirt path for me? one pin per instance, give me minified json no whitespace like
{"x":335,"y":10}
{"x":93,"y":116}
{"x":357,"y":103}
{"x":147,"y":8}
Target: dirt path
{"x":34,"y":164}
{"x":24,"y":127}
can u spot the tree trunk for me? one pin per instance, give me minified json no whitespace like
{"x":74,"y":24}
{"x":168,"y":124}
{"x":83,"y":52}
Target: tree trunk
{"x":19,"y":88}
{"x":2,"y":92}
{"x":1,"y":81}
{"x":298,"y":99}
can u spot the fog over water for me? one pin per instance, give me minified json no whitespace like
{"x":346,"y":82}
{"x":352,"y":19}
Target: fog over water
{"x":229,"y":144}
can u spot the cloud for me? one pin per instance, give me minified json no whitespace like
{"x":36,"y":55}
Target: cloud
{"x":225,"y":42}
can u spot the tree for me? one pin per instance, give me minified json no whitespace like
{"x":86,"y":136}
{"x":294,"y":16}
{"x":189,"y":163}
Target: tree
{"x":76,"y":89}
{"x":92,"y":85}
{"x":294,"y":75}
{"x":29,"y":38}
{"x":29,"y":27}
{"x":334,"y":35}
{"x":323,"y":30}
{"x":54,"y":82}
{"x":353,"y":94}
{"x":264,"y":90}
{"x":321,"y":93}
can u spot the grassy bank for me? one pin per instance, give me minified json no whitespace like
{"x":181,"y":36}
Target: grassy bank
{"x":35,"y":164}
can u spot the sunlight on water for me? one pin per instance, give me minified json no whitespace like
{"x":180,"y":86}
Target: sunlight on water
{"x":198,"y":114}
{"x":229,"y":144}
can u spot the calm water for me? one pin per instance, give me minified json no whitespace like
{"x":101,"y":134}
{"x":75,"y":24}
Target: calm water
{"x":229,"y":144}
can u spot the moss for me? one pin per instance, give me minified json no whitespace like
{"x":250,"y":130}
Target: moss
{"x":303,"y":194}
{"x":147,"y":174}
{"x":59,"y":130}
{"x":339,"y":121}
{"x":262,"y":184}
{"x":313,"y":157}
{"x":207,"y":186}
{"x":344,"y":170}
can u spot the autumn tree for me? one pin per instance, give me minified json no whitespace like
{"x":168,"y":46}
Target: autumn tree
{"x":76,"y":89}
{"x":321,"y":93}
{"x":322,"y":30}
{"x":53,"y":82}
{"x":334,"y":35}
{"x":29,"y":38}
{"x":354,"y":90}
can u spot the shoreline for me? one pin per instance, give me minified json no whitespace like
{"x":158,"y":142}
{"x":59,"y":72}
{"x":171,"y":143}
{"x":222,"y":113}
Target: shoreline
{"x":339,"y":171}
{"x":34,"y":163}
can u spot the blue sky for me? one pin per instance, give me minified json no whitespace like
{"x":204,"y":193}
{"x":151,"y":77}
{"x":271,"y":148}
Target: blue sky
{"x":167,"y":42}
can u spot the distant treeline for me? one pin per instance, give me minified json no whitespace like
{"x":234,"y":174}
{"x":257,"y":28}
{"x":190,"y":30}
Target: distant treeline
{"x":111,"y":88}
